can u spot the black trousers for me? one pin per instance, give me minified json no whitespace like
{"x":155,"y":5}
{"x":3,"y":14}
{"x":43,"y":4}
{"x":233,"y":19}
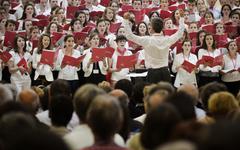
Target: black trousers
{"x":233,"y":87}
{"x":159,"y":74}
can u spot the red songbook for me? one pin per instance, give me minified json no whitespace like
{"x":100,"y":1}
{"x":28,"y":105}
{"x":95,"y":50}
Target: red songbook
{"x":71,"y":10}
{"x":218,"y":60}
{"x":102,"y":41}
{"x":139,"y":16}
{"x":99,"y":53}
{"x":66,"y":27}
{"x":80,"y":37}
{"x":114,"y":27}
{"x":87,"y":29}
{"x":127,"y":61}
{"x":5,"y":56}
{"x":9,"y":39}
{"x":169,"y":32}
{"x":91,"y":24}
{"x":34,"y":44}
{"x":221,"y":40}
{"x":148,"y":10}
{"x":105,"y":3}
{"x":72,"y":61}
{"x":127,"y":7}
{"x":133,"y":45}
{"x":211,"y":61}
{"x":22,"y":33}
{"x":231,"y":30}
{"x":42,"y":17}
{"x":193,"y":35}
{"x":57,"y":37}
{"x":23,"y":63}
{"x":47,"y":57}
{"x":209,"y":28}
{"x":165,"y":14}
{"x":188,"y":66}
{"x":172,"y":8}
{"x":96,"y":14}
{"x":41,"y":23}
{"x":121,"y":13}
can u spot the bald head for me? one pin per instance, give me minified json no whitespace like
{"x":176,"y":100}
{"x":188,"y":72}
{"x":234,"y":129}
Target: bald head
{"x":29,"y":98}
{"x":5,"y":94}
{"x":121,"y":95}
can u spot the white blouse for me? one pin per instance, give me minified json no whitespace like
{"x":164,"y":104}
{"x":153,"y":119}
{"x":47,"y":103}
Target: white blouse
{"x":89,"y":70}
{"x":41,"y":69}
{"x":230,"y":64}
{"x":68,"y":72}
{"x":184,"y":77}
{"x":16,"y":58}
{"x":122,"y":74}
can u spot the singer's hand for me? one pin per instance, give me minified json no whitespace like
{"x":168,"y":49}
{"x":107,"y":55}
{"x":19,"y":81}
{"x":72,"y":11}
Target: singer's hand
{"x":22,"y":69}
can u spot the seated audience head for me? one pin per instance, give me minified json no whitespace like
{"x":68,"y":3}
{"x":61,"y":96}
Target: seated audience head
{"x":83,"y":98}
{"x":210,"y":89}
{"x":220,"y":104}
{"x":191,"y":90}
{"x":158,"y":126}
{"x":60,"y":86}
{"x":166,"y":86}
{"x":106,"y":86}
{"x":105,"y":117}
{"x":30,"y":99}
{"x":124,"y":85}
{"x":5,"y":94}
{"x":157,"y":25}
{"x":60,"y":110}
{"x":184,"y":103}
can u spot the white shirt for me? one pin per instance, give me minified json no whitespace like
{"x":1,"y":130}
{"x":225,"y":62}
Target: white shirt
{"x":16,"y":58}
{"x":156,"y":46}
{"x":68,"y":72}
{"x":82,"y":137}
{"x":184,"y":77}
{"x":230,"y":64}
{"x":89,"y":70}
{"x":44,"y":118}
{"x":46,"y":12}
{"x":215,"y":53}
{"x":42,"y":69}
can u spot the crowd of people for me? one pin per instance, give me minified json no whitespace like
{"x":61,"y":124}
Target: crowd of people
{"x":189,"y":96}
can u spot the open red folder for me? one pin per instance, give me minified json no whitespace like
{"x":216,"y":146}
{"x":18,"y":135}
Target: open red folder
{"x":127,"y":7}
{"x":211,"y":60}
{"x":139,"y":16}
{"x":229,"y":70}
{"x":9,"y":39}
{"x":104,"y":3}
{"x":47,"y":57}
{"x":188,"y":66}
{"x":221,"y":40}
{"x":165,"y":14}
{"x":148,"y":10}
{"x":71,"y":10}
{"x":41,"y":23}
{"x":169,"y":32}
{"x":174,"y":7}
{"x":23,"y":63}
{"x":57,"y":37}
{"x":127,"y":61}
{"x":80,"y":37}
{"x":5,"y":56}
{"x":114,"y":27}
{"x":99,"y":53}
{"x":209,"y":28}
{"x":72,"y":61}
{"x":87,"y":29}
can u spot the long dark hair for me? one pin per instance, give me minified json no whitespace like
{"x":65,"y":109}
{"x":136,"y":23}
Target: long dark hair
{"x":204,"y":46}
{"x":137,"y":29}
{"x":24,"y":16}
{"x":15,"y":43}
{"x":40,"y":44}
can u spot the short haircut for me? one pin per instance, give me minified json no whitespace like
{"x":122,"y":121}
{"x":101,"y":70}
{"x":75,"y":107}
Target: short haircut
{"x":105,"y":116}
{"x":83,"y":98}
{"x":157,"y":25}
{"x":60,"y":110}
{"x":60,"y":86}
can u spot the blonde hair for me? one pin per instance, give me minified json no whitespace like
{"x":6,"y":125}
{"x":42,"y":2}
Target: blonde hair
{"x":221,"y":103}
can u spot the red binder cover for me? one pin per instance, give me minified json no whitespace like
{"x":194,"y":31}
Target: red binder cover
{"x":209,"y":28}
{"x":188,"y":66}
{"x":56,"y":37}
{"x":114,"y":27}
{"x":80,"y":37}
{"x":169,"y":32}
{"x":127,"y":61}
{"x":5,"y":56}
{"x":87,"y":29}
{"x":71,"y":10}
{"x":99,"y":53}
{"x":23,"y":63}
{"x":211,"y":61}
{"x":221,"y":40}
{"x":47,"y":57}
{"x":127,"y":7}
{"x":9,"y":39}
{"x":139,"y":16}
{"x":148,"y":10}
{"x":165,"y":14}
{"x":41,"y":23}
{"x":72,"y":61}
{"x":104,"y":3}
